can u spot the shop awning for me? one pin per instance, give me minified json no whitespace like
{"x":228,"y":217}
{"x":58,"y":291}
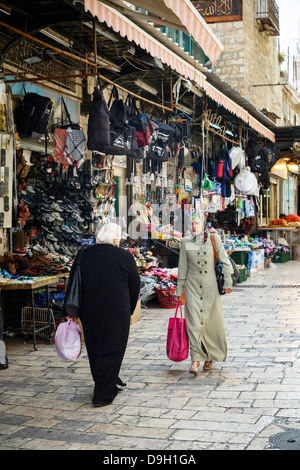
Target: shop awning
{"x":188,"y":18}
{"x":134,"y":33}
{"x":180,"y":14}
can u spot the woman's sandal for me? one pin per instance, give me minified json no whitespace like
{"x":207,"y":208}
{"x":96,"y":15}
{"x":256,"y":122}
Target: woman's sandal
{"x":207,"y":365}
{"x":194,"y":369}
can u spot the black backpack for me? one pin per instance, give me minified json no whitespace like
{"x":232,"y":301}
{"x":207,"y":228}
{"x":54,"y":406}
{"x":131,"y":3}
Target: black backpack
{"x":35,"y":114}
{"x":160,"y":148}
{"x":259,"y":162}
{"x":98,"y":123}
{"x":120,"y":112}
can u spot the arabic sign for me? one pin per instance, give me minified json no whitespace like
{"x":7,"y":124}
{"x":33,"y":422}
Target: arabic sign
{"x":217,"y":11}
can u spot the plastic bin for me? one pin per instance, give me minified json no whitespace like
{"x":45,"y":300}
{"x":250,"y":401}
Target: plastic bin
{"x":239,"y":257}
{"x":243,"y":275}
{"x":281,"y":257}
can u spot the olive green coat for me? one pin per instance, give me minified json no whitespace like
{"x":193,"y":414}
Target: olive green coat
{"x":203,"y":304}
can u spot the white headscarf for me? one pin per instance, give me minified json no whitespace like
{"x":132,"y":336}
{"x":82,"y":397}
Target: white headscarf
{"x":109,"y":233}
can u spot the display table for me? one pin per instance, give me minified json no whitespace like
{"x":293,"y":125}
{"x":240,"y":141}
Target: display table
{"x":275,"y":232}
{"x":33,"y":287}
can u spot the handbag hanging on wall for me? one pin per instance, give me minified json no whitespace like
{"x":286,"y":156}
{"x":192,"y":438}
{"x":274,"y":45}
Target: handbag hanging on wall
{"x":98,"y":122}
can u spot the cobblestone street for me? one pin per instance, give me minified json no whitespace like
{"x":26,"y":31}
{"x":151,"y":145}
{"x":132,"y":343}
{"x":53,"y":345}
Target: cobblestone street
{"x":45,"y":403}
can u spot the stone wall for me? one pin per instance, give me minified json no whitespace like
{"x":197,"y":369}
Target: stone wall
{"x":250,"y":57}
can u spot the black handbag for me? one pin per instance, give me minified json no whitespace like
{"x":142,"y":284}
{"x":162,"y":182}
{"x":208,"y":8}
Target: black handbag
{"x":218,"y":268}
{"x":72,"y":300}
{"x":98,"y":122}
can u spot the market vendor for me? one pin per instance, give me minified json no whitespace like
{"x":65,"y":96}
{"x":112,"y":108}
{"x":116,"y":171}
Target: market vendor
{"x":290,"y":217}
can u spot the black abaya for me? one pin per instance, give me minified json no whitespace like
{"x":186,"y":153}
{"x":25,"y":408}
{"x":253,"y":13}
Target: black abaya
{"x":110,"y":290}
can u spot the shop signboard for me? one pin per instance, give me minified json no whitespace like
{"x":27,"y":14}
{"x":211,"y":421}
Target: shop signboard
{"x":220,"y":11}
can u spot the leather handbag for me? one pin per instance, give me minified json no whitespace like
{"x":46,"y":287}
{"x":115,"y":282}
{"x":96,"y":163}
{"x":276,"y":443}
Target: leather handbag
{"x":72,"y":300}
{"x":218,"y":268}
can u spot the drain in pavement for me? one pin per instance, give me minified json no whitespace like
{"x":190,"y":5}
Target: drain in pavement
{"x":289,"y":440}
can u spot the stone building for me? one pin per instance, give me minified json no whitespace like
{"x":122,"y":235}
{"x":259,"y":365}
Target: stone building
{"x":250,"y":64}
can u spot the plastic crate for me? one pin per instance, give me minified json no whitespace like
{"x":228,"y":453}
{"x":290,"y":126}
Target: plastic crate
{"x":166,"y":297}
{"x":281,"y":257}
{"x":243,"y":275}
{"x":41,"y":321}
{"x":239,"y":257}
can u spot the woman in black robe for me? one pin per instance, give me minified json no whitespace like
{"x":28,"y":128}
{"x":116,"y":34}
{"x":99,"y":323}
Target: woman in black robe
{"x":110,"y":290}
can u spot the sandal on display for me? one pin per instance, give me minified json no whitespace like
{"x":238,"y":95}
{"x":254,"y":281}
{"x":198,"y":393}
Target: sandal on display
{"x":207,"y":365}
{"x":194,"y":369}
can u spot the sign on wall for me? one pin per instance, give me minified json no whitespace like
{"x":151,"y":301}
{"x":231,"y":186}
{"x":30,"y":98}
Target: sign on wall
{"x":219,"y":11}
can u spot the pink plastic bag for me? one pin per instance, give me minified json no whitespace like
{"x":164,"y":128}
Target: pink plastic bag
{"x":177,"y":338}
{"x":68,"y":340}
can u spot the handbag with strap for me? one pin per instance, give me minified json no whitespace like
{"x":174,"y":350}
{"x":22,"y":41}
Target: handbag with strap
{"x":72,"y":301}
{"x":218,"y":268}
{"x":177,"y":338}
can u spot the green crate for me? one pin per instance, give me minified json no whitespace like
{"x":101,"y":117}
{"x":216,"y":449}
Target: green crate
{"x":281,"y":257}
{"x":243,"y":275}
{"x":240,"y":257}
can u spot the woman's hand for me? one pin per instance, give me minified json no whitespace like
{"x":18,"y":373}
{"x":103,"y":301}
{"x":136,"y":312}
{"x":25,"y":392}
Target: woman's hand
{"x":227,"y":291}
{"x":177,"y":298}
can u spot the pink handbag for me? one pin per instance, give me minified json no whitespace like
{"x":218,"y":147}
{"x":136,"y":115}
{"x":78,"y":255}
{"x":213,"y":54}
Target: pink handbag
{"x":177,"y":338}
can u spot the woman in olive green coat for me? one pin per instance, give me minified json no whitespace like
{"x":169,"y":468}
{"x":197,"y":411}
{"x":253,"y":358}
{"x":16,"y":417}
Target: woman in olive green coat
{"x":203,"y":304}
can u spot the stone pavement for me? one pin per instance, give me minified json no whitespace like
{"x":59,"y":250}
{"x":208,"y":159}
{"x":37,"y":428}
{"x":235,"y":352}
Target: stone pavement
{"x":45,"y":403}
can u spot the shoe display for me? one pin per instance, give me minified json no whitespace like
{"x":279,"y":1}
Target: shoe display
{"x":48,"y":217}
{"x":67,"y":229}
{"x":75,"y":229}
{"x":57,"y":216}
{"x":56,"y":207}
{"x":77,"y":217}
{"x":52,"y":238}
{"x":59,"y":204}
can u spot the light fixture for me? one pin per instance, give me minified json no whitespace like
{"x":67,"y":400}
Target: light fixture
{"x":5,"y":9}
{"x":192,"y":88}
{"x":153,"y":61}
{"x":101,"y":31}
{"x":50,"y":33}
{"x":43,"y":56}
{"x":145,"y":86}
{"x":35,"y":59}
{"x":293,"y":166}
{"x":102,"y":62}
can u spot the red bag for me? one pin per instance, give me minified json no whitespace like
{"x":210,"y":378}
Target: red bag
{"x":177,"y":339}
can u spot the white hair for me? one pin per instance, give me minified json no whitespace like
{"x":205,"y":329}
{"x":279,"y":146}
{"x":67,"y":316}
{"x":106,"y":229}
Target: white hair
{"x":109,"y":233}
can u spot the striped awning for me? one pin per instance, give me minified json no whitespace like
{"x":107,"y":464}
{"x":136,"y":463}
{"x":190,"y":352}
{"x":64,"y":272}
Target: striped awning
{"x":196,"y":26}
{"x":181,"y":14}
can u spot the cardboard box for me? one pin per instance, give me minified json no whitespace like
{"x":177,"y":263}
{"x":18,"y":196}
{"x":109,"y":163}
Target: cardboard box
{"x":136,"y":316}
{"x":256,"y":261}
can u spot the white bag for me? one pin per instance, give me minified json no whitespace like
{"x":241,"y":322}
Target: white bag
{"x":68,"y":340}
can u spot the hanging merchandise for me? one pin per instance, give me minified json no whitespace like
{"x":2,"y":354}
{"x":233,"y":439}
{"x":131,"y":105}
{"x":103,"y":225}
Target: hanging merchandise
{"x":123,"y":140}
{"x":259,"y":164}
{"x":143,"y":125}
{"x":98,"y":122}
{"x":253,"y":148}
{"x":246,"y":182}
{"x":34,"y":115}
{"x":69,"y":142}
{"x":120,"y":112}
{"x":223,"y":172}
{"x":160,"y":148}
{"x":238,"y":157}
